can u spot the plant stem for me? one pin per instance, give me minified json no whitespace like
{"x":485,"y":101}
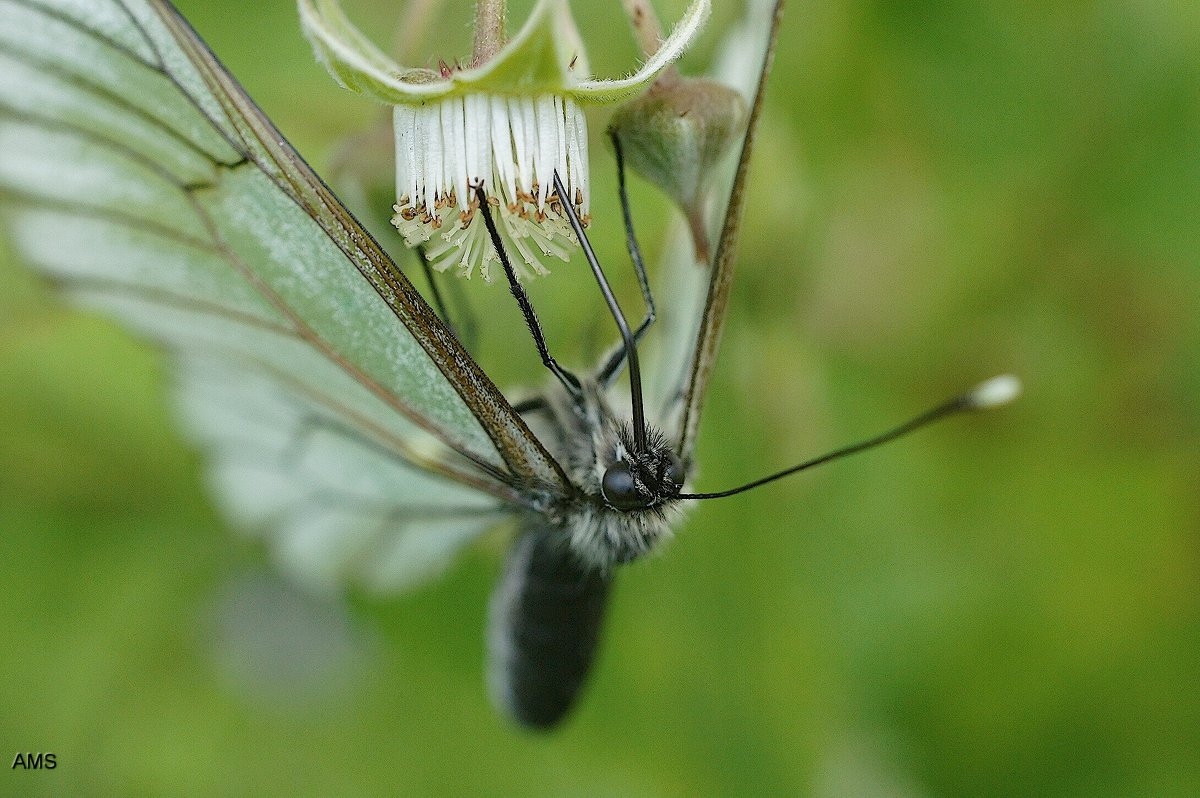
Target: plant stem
{"x":649,"y":34}
{"x":489,"y":29}
{"x":646,"y":26}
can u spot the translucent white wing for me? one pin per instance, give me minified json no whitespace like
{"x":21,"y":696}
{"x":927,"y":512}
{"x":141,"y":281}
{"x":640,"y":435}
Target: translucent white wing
{"x":335,"y":506}
{"x":690,"y":329}
{"x":135,"y":172}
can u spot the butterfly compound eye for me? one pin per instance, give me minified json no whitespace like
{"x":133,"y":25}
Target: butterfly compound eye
{"x":620,"y":489}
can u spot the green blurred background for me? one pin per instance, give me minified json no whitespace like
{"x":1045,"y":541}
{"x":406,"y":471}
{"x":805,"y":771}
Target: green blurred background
{"x":1006,"y":605}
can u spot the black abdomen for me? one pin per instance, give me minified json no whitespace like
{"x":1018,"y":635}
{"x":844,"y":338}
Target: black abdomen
{"x":545,"y":623}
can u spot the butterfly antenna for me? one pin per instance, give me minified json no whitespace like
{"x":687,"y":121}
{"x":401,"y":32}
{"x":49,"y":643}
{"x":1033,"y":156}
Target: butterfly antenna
{"x":635,"y":374}
{"x":991,"y":393}
{"x":568,"y":380}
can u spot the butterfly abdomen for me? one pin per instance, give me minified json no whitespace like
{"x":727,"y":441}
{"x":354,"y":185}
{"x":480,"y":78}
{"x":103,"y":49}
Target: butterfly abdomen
{"x":545,"y":623}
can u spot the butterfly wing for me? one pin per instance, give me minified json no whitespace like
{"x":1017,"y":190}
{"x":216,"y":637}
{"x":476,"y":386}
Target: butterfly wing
{"x":137,"y":174}
{"x":685,"y":341}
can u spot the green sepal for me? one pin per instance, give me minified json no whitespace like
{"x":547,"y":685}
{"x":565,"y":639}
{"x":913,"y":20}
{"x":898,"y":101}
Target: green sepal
{"x":545,"y":57}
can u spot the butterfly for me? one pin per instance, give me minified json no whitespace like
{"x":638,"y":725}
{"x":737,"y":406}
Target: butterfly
{"x":339,"y":411}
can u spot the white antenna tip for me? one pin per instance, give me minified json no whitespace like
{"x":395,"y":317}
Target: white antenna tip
{"x":994,"y":392}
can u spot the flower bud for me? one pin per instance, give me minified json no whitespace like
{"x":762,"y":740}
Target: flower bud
{"x":675,"y":134}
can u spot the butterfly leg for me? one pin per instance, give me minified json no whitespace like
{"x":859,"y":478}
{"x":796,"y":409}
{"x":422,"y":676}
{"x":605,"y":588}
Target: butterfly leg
{"x":569,"y":381}
{"x":614,"y":364}
{"x":536,"y":404}
{"x":627,"y":340}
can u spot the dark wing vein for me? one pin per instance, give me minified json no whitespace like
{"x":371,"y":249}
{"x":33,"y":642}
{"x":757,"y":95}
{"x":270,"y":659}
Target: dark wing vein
{"x":357,"y":426}
{"x":115,"y":217}
{"x":231,"y":116}
{"x":524,"y":455}
{"x":118,"y":101}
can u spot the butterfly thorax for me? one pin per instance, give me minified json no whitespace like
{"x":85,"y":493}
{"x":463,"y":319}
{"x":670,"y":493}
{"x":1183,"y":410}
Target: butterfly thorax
{"x":626,"y":496}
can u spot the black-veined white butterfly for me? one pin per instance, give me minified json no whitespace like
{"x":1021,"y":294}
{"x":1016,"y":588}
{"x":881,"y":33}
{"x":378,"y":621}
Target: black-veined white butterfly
{"x":339,"y":410}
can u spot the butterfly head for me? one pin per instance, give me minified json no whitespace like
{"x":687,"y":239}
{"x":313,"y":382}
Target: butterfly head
{"x":641,"y":479}
{"x":638,"y":491}
{"x":627,"y":486}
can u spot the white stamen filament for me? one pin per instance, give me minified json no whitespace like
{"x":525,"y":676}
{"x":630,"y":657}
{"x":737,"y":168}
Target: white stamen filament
{"x":513,"y":145}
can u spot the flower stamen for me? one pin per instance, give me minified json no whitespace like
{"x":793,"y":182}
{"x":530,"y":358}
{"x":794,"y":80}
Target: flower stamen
{"x":510,"y":145}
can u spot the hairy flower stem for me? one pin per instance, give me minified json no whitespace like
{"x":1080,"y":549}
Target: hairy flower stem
{"x":489,"y":30}
{"x":648,"y":32}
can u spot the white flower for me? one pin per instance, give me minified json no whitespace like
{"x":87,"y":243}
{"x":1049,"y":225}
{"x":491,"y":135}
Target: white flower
{"x":512,"y":144}
{"x":507,"y":124}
